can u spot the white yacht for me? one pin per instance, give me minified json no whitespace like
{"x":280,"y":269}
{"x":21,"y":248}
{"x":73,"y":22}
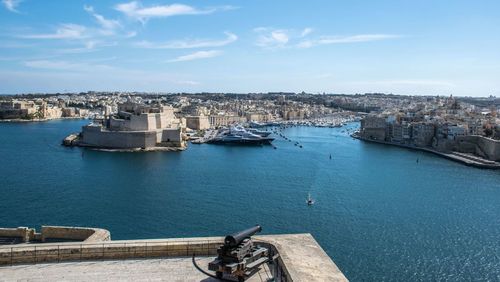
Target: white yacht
{"x":262,"y":133}
{"x":237,"y":134}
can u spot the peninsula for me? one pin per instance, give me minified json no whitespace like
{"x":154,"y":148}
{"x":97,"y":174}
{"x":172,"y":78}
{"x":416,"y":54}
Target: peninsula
{"x":445,"y":127}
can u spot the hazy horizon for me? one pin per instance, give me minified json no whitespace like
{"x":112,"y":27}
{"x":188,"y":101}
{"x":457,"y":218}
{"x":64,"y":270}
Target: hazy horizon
{"x":406,"y":48}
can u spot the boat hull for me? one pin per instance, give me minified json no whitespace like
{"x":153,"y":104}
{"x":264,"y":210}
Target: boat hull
{"x":263,"y":141}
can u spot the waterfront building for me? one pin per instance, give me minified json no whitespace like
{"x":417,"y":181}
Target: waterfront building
{"x":258,"y":117}
{"x":448,"y":133}
{"x":197,"y":122}
{"x":219,"y":120}
{"x":17,"y":109}
{"x":373,"y":127}
{"x":423,"y":133}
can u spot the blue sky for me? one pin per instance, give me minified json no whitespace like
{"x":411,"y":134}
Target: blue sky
{"x":338,"y":46}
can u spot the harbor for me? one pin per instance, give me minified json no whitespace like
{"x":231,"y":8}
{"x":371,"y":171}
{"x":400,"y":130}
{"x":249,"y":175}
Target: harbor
{"x":370,"y":200}
{"x":259,"y":133}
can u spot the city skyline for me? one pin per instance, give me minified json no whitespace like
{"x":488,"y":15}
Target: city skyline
{"x":423,"y":48}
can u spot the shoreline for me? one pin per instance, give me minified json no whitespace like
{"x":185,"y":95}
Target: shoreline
{"x":449,"y":156}
{"x":127,"y":150}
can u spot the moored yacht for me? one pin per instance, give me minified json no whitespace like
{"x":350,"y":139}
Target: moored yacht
{"x":238,"y":135}
{"x":262,"y":133}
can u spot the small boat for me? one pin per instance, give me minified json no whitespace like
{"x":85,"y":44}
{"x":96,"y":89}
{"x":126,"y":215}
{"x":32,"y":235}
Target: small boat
{"x":310,"y":200}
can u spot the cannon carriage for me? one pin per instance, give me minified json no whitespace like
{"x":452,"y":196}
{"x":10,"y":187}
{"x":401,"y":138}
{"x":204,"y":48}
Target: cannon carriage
{"x":239,"y":256}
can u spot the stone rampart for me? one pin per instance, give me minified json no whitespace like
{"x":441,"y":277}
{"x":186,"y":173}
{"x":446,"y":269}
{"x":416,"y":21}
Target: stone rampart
{"x":480,"y":145}
{"x":25,"y":234}
{"x":75,"y":233}
{"x":94,"y":136}
{"x":57,"y":233}
{"x":300,"y":257}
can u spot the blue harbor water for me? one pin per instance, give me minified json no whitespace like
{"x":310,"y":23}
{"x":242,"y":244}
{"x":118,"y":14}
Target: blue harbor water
{"x":379,"y":214}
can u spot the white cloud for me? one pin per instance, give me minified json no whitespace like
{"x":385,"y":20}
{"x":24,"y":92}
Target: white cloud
{"x":91,"y":45}
{"x":11,"y":5}
{"x":306,"y":32}
{"x":136,"y":11}
{"x":197,"y":55}
{"x":272,"y":38}
{"x":417,"y":82}
{"x":64,"y":31}
{"x":187,"y":44}
{"x":65,"y":65}
{"x":279,"y":36}
{"x":108,"y":26}
{"x":89,"y":38}
{"x":325,"y":40}
{"x":188,"y":82}
{"x":131,"y":34}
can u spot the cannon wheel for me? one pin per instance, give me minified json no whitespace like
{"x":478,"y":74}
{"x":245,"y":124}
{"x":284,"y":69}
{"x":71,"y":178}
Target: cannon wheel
{"x":218,"y":274}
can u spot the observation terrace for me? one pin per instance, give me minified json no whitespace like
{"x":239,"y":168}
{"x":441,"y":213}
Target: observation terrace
{"x":299,"y":258}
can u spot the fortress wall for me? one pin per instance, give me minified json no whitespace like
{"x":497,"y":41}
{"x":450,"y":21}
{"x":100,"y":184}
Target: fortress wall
{"x":171,"y":135}
{"x":26,"y":234}
{"x":171,"y":138}
{"x":96,"y":137}
{"x":151,"y":121}
{"x":139,"y":122}
{"x":57,"y":232}
{"x":488,"y":146}
{"x":75,"y":233}
{"x":119,"y":124}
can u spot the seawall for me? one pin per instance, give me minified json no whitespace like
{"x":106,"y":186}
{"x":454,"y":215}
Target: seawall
{"x":450,"y":156}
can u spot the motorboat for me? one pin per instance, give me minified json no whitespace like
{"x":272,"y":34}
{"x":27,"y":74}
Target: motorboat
{"x":261,"y":133}
{"x":238,"y":135}
{"x":256,"y":124}
{"x":310,"y":201}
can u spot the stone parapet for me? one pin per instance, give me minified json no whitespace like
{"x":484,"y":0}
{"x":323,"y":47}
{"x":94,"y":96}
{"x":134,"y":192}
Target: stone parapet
{"x":48,"y":233}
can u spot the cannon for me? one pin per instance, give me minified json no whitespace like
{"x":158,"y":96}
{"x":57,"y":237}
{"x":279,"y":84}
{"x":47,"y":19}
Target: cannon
{"x":238,"y":256}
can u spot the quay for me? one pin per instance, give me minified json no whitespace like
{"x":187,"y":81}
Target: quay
{"x":463,"y":158}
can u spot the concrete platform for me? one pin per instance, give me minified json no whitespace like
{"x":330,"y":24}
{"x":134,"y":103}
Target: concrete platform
{"x":167,"y":269}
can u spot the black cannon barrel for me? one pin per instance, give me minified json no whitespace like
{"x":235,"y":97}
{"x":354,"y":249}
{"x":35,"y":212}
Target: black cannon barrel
{"x":234,"y":239}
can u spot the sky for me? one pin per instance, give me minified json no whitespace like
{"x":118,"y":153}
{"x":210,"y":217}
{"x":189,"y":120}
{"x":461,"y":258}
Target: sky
{"x":423,"y":47}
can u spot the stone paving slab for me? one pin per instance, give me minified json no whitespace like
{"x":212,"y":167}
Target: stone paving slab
{"x":166,"y":269}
